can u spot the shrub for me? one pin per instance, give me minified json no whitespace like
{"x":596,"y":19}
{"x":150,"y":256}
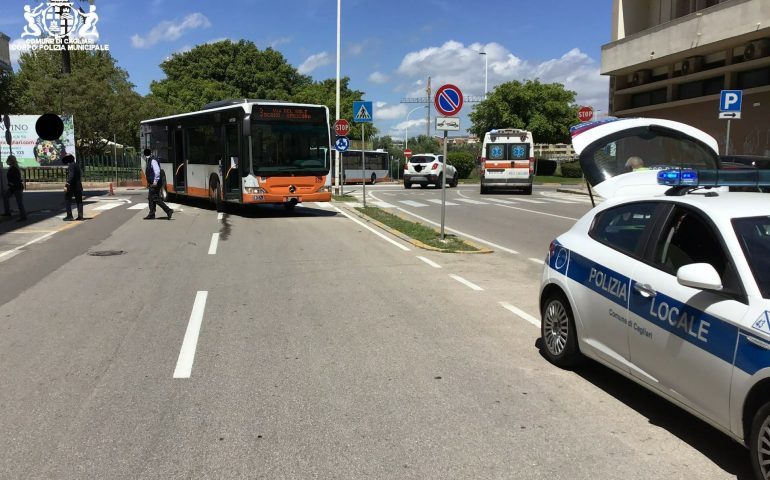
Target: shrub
{"x":543,"y":166}
{"x":571,"y":170}
{"x":464,"y":162}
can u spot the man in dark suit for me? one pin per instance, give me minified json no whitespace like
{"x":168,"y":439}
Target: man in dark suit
{"x":73,"y":188}
{"x":15,"y":189}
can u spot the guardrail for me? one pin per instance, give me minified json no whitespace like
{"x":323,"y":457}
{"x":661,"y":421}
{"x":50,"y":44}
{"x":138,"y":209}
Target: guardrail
{"x":95,"y":169}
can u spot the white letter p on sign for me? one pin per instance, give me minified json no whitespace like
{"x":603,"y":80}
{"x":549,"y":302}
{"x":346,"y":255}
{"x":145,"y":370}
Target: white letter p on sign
{"x":730,"y":99}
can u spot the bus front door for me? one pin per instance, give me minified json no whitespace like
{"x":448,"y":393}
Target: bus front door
{"x":180,"y":166}
{"x":232,"y":166}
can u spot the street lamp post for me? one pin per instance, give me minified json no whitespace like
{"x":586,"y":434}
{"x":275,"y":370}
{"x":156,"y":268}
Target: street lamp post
{"x":486,"y":65}
{"x":337,"y":176}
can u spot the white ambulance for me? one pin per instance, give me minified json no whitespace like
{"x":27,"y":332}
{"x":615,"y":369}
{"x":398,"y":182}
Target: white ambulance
{"x":507,"y":160}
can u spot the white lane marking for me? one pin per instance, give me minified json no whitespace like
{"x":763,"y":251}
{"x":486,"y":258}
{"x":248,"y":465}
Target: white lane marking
{"x":109,"y":206}
{"x":406,"y":249}
{"x":527,"y":200}
{"x":499,"y":200}
{"x":539,"y":213}
{"x":521,"y":313}
{"x":458,"y":232}
{"x":34,"y":240}
{"x":536,"y":260}
{"x":412,"y":203}
{"x":139,"y":206}
{"x":558,"y":200}
{"x":429,"y":262}
{"x":465,"y":282}
{"x":471,"y":201}
{"x":187,"y":353}
{"x":437,"y":201}
{"x":220,"y":216}
{"x":213,"y":244}
{"x":383,"y":204}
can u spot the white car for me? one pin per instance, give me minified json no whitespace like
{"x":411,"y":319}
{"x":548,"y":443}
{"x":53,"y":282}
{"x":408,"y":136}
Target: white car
{"x":668,"y":282}
{"x":427,"y":168}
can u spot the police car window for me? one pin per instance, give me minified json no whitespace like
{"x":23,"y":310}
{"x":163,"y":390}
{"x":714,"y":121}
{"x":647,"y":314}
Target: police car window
{"x":754,"y":236}
{"x":687,"y":239}
{"x":623,"y":227}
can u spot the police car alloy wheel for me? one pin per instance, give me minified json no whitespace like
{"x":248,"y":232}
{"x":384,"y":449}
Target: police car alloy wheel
{"x":558,"y":331}
{"x":760,"y":442}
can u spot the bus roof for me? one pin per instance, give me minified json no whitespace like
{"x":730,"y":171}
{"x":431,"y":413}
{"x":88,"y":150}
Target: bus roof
{"x":245,"y":104}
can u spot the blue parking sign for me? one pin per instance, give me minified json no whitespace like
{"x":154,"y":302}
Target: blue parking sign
{"x":730,"y":100}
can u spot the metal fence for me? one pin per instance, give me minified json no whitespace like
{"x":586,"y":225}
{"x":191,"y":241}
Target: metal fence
{"x":97,"y":168}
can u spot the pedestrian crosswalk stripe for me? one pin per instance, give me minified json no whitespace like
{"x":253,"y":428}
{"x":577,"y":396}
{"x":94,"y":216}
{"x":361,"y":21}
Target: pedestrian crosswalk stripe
{"x":499,"y":200}
{"x":558,"y":200}
{"x":384,"y":204}
{"x":139,"y":206}
{"x":108,"y":206}
{"x":412,"y":203}
{"x":438,"y":202}
{"x":472,"y":202}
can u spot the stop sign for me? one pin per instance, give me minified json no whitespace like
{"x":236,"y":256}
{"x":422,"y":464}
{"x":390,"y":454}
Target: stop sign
{"x":407,"y":153}
{"x":341,"y":127}
{"x":585,"y":114}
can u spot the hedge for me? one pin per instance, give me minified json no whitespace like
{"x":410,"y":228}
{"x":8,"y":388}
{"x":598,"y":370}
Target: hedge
{"x":543,"y":166}
{"x":571,"y":170}
{"x":464,"y":162}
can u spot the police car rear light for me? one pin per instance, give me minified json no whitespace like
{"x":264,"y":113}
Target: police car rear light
{"x":688,"y":177}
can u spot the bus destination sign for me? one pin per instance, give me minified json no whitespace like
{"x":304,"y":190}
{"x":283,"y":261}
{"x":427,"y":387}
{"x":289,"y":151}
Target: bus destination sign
{"x":287,"y":113}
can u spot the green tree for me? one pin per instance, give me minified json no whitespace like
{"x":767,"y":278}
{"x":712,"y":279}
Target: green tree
{"x":545,"y":109}
{"x":325,"y":93}
{"x":97,"y":93}
{"x":6,"y":92}
{"x":424,"y":144}
{"x":221,"y":70}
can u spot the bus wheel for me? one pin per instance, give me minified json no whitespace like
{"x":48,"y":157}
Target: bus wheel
{"x":214,"y":196}
{"x":374,"y":178}
{"x":289,"y":206}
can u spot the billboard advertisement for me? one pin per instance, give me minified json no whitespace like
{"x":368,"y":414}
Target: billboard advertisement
{"x":32,"y":151}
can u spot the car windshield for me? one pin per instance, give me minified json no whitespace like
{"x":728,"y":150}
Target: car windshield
{"x":421,"y":159}
{"x":647,"y":147}
{"x":754,"y":236}
{"x":293,"y":148}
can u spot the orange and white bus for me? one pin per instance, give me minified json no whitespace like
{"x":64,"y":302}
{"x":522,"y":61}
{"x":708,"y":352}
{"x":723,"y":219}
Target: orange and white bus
{"x":243,"y":151}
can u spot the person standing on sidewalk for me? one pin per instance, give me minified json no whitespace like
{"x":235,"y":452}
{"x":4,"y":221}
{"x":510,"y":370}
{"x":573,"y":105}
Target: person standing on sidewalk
{"x":73,"y":188}
{"x":152,"y":172}
{"x":15,"y":188}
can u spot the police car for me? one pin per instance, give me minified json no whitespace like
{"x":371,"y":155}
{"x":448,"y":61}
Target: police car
{"x":668,"y":280}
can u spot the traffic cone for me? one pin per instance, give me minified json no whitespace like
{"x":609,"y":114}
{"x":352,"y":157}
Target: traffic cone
{"x":111,"y":191}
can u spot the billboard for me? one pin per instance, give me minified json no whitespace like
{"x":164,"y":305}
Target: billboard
{"x":32,"y":151}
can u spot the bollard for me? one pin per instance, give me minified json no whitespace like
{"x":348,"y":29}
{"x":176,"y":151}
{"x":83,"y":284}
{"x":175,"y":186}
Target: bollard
{"x":111,"y":191}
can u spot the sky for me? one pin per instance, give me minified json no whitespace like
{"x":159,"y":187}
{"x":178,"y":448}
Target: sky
{"x":388,"y":48}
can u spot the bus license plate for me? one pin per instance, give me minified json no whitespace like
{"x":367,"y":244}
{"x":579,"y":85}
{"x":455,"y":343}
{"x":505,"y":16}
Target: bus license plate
{"x":257,"y":197}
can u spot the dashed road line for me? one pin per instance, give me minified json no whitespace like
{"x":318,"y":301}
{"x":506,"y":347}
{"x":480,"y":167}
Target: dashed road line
{"x":412,"y":203}
{"x":190,"y":343}
{"x":465,"y":282}
{"x":213,"y":244}
{"x":536,"y":260}
{"x":521,"y":313}
{"x":429,"y":262}
{"x":34,"y":240}
{"x":220,"y":216}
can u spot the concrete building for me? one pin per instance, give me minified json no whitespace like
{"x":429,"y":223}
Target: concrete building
{"x":554,"y":151}
{"x":671,"y":58}
{"x":5,"y":53}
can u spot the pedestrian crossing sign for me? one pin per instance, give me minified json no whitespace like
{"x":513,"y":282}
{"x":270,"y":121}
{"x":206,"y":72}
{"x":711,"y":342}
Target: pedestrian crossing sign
{"x":362,"y":112}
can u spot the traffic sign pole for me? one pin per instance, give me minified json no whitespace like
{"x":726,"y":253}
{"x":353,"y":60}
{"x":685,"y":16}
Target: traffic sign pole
{"x":443,"y":190}
{"x":363,"y":163}
{"x":727,"y":140}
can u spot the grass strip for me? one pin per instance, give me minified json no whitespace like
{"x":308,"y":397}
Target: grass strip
{"x":344,"y":198}
{"x":540,"y":179}
{"x":417,"y":231}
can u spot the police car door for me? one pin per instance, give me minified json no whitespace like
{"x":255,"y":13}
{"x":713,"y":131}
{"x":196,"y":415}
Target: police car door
{"x":681,"y":341}
{"x":618,"y":236}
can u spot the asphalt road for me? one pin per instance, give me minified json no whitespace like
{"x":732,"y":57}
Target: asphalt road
{"x":266,"y":344}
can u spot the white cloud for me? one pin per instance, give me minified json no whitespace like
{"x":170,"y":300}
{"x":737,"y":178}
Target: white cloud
{"x":412,"y":125}
{"x":378,"y":77}
{"x":280,"y":41}
{"x":454,"y":62}
{"x":170,"y":30}
{"x":314,"y":61}
{"x":389,"y":112}
{"x":17,"y":47}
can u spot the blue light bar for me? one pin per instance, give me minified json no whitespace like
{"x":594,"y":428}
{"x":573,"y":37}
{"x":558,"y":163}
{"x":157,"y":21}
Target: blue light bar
{"x":688,"y":177}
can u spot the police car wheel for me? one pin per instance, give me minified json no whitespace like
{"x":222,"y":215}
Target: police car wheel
{"x":557,"y":330}
{"x":760,"y":442}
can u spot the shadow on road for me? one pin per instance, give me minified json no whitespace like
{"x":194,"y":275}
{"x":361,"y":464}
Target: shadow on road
{"x":256,"y":211}
{"x":40,"y":206}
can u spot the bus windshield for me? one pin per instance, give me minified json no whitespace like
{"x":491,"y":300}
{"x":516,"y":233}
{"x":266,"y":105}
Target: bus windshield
{"x":290,"y":148}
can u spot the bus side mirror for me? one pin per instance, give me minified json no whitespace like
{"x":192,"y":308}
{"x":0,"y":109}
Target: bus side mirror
{"x":247,"y":126}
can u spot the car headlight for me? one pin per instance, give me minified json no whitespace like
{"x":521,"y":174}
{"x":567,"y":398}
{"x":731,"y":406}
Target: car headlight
{"x":254,"y":190}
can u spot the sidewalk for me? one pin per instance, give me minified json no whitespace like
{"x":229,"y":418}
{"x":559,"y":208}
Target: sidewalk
{"x":51,"y":200}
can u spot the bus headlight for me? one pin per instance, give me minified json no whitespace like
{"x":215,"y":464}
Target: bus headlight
{"x":254,"y":190}
{"x":326,"y":188}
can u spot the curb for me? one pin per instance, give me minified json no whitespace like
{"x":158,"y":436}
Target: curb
{"x":409,"y":239}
